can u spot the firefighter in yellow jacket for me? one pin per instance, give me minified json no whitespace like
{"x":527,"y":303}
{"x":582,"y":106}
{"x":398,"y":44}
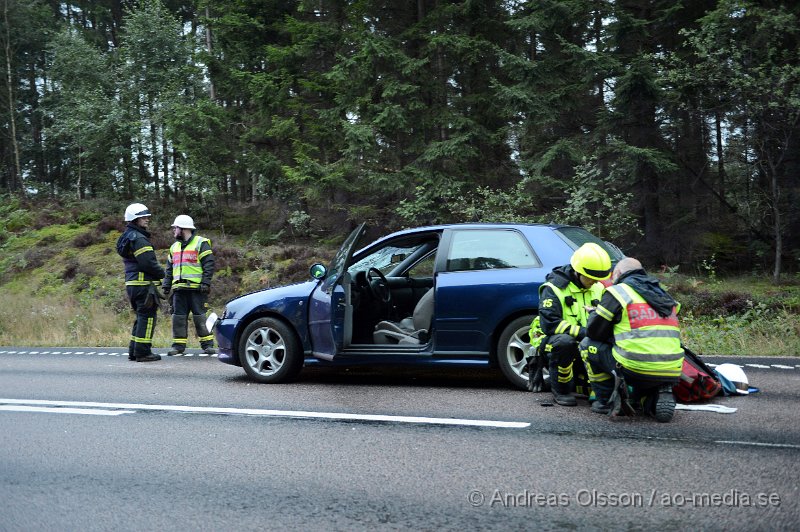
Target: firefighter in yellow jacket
{"x":633,"y":339}
{"x":565,"y":300}
{"x":190,"y":268}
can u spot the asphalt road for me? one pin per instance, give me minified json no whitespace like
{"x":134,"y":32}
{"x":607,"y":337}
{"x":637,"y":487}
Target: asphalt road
{"x":91,"y":441}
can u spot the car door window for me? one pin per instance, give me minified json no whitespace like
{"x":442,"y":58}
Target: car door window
{"x":483,"y":249}
{"x":424,"y":268}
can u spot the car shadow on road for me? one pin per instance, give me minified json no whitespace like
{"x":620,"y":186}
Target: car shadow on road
{"x":477,"y":378}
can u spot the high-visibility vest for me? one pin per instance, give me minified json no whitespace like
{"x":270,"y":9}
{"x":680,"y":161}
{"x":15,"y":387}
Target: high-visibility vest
{"x":574,"y":316}
{"x":187,"y":272}
{"x":645,"y":342}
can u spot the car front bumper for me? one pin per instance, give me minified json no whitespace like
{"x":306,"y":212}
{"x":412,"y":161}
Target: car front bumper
{"x":225,"y":333}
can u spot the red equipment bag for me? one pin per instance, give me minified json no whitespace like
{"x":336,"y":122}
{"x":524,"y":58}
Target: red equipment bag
{"x":698,"y":382}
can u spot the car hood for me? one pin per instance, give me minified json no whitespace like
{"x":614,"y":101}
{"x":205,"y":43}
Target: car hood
{"x":276,"y":299}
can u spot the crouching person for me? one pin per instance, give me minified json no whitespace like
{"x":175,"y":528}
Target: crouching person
{"x":565,"y":301}
{"x":633,"y":340}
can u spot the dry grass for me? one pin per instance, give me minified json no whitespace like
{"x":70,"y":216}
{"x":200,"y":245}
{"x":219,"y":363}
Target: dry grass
{"x":63,"y":321}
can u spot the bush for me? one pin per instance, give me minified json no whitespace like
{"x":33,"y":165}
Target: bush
{"x":89,"y":238}
{"x":110,"y":223}
{"x":37,"y":257}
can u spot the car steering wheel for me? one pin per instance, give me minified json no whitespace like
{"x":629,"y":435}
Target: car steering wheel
{"x":378,"y":285}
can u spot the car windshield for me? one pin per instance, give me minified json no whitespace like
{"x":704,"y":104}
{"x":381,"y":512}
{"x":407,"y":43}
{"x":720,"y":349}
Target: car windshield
{"x":387,"y":257}
{"x":577,"y":237}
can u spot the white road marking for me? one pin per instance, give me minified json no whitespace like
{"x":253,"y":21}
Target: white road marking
{"x":781,"y":366}
{"x":297,"y":414}
{"x":85,"y":411}
{"x":760,"y":444}
{"x":761,"y":366}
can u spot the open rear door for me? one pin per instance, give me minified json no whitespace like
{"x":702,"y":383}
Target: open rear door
{"x":327,"y":314}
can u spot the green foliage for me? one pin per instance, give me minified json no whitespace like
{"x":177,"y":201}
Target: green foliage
{"x":595,"y":202}
{"x":603,"y":114}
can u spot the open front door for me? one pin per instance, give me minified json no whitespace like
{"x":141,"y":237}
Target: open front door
{"x":327,"y":313}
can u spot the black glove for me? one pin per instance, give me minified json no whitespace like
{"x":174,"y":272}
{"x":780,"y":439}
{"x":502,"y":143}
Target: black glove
{"x":166,"y":290}
{"x":204,"y":288}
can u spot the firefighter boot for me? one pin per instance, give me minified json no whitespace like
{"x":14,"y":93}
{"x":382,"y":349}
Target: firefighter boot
{"x":180,"y":334}
{"x":602,"y":402}
{"x":664,"y":404}
{"x":561,"y":392}
{"x":131,"y":355}
{"x":206,"y":338}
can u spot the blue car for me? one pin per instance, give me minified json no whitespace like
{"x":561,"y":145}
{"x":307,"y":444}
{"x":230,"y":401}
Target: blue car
{"x":446,"y":294}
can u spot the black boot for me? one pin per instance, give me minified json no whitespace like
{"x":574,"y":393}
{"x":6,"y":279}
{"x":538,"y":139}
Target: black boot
{"x":149,"y":357}
{"x":601,"y":406}
{"x":131,"y":355}
{"x":664,"y":404}
{"x":561,"y":392}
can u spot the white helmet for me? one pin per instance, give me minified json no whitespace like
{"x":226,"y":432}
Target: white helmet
{"x":136,"y":210}
{"x":735,"y":375}
{"x":183,"y":221}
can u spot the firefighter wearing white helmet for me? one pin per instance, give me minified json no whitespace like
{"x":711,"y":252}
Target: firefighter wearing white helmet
{"x":190,"y":268}
{"x":142,"y":275}
{"x":634,"y":335}
{"x":565,"y":300}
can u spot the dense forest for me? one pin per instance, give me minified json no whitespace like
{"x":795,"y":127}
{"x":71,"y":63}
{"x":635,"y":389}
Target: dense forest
{"x":671,"y":127}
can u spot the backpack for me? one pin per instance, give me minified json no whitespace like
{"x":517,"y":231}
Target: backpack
{"x":698,"y":382}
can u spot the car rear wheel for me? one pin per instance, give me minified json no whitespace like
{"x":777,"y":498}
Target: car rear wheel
{"x":512,"y":348}
{"x":270,"y":352}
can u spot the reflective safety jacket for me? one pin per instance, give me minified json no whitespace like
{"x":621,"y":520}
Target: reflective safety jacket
{"x":138,"y":257}
{"x":190,"y":264}
{"x":562,"y":303}
{"x":644,"y":341}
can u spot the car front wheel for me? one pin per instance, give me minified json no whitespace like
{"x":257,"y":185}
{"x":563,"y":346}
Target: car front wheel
{"x":270,"y":352}
{"x":512,"y":349}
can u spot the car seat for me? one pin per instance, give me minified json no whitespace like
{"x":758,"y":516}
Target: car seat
{"x":409,"y":331}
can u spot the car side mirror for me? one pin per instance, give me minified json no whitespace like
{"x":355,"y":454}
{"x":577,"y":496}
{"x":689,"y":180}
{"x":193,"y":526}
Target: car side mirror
{"x":318,"y":271}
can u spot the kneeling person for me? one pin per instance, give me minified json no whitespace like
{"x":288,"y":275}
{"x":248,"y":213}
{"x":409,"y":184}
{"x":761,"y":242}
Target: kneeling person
{"x":190,"y":267}
{"x":635,"y":332}
{"x":565,"y":300}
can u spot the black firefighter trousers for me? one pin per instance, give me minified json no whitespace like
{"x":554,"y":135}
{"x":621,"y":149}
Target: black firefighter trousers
{"x":146,"y":310}
{"x":185,"y":302}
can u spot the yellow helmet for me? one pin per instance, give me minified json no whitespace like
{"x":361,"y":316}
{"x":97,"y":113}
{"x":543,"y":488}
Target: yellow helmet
{"x":591,"y":261}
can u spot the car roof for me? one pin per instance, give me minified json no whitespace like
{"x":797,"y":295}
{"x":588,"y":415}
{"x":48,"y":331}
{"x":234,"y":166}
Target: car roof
{"x":468,"y":225}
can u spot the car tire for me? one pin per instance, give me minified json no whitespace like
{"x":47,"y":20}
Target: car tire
{"x":512,"y":349}
{"x":270,"y":352}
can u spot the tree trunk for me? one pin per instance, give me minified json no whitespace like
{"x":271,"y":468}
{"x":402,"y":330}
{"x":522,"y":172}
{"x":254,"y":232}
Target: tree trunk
{"x":153,"y":146}
{"x":776,"y":215}
{"x":720,"y":154}
{"x":15,"y":183}
{"x":165,"y":158}
{"x":212,"y":93}
{"x":78,"y":184}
